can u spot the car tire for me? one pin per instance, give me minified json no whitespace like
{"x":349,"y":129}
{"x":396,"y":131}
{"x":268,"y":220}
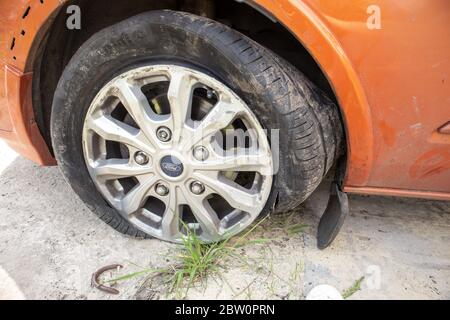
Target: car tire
{"x":281,"y":97}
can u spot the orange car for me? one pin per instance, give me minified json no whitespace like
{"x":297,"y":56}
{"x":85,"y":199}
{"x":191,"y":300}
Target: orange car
{"x":134,"y":99}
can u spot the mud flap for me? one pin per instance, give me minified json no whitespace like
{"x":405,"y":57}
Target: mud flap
{"x":334,"y":216}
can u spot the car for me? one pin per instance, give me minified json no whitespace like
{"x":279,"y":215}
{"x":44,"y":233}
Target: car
{"x":199,"y":116}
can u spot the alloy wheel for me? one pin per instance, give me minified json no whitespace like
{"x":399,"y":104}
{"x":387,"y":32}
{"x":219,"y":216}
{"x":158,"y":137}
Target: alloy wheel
{"x":157,"y":145}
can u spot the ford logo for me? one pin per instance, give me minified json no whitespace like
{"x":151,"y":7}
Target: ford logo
{"x":171,"y":166}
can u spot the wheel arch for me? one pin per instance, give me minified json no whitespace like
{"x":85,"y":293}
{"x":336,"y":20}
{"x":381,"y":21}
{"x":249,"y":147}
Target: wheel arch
{"x":326,"y":50}
{"x":295,"y":17}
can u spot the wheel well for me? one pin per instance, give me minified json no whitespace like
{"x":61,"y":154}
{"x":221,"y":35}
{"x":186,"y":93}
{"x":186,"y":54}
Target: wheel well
{"x":60,"y":44}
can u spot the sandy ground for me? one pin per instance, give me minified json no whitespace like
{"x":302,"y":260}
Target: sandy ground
{"x":50,"y":244}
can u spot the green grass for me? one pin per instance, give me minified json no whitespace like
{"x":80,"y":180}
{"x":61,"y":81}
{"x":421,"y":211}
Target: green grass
{"x":296,"y":229}
{"x":195,"y":261}
{"x":296,"y":272}
{"x":353,"y":289}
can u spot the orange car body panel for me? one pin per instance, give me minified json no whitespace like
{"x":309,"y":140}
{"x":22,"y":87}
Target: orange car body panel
{"x":391,"y":83}
{"x":17,"y":36}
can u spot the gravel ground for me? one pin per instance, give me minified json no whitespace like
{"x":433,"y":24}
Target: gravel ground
{"x":50,"y":244}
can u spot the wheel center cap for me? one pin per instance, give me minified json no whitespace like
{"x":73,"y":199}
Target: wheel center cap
{"x":172,"y":166}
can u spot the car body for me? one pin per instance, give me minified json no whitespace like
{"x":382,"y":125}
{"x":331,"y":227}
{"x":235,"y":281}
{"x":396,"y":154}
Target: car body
{"x":391,"y":83}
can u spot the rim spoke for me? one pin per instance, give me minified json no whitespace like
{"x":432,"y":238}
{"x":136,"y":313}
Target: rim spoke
{"x":116,"y":169}
{"x":220,"y":117}
{"x":171,"y":219}
{"x":235,"y":196}
{"x":240,"y":163}
{"x":113,"y":130}
{"x":180,"y":97}
{"x":134,"y":200}
{"x":206,"y":217}
{"x":138,"y":107}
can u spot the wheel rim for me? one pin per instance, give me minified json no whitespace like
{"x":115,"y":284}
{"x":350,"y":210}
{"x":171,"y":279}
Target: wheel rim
{"x":155,"y":145}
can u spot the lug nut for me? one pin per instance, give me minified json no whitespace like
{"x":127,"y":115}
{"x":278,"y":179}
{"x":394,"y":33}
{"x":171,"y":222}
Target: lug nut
{"x":197,"y":188}
{"x":164,"y":134}
{"x":161,"y":190}
{"x":141,"y":158}
{"x":201,"y":153}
